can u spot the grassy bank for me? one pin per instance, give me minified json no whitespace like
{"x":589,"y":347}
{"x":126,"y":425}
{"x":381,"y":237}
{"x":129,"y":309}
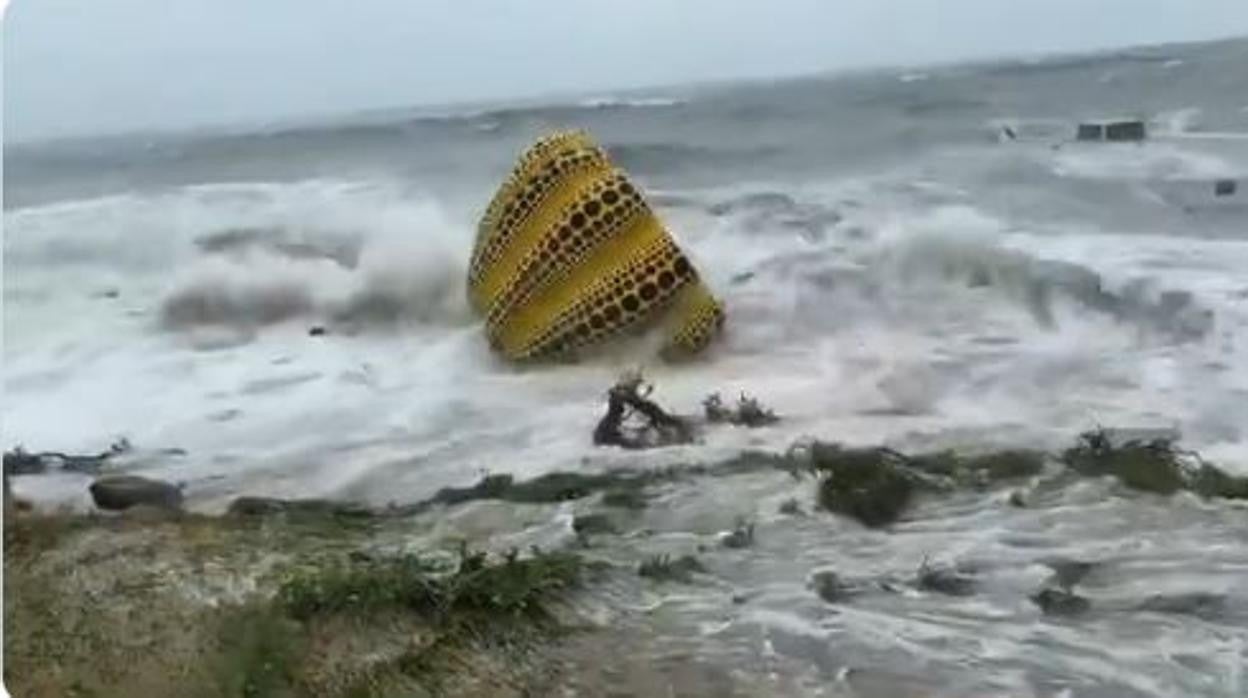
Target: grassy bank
{"x":197,"y":606}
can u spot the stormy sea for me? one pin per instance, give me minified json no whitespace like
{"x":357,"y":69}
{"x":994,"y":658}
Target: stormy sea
{"x":919,"y":258}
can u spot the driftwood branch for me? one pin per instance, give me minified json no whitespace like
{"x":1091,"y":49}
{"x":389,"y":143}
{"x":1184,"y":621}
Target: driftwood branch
{"x":628,"y":398}
{"x":21,"y":462}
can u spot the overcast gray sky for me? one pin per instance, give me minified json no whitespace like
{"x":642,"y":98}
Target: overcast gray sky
{"x":74,"y":67}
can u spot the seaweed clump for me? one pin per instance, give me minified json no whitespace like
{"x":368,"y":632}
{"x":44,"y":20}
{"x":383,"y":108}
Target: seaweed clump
{"x":980,"y":469}
{"x":1151,"y":465}
{"x":545,"y":489}
{"x":876,"y":485}
{"x":869,"y":485}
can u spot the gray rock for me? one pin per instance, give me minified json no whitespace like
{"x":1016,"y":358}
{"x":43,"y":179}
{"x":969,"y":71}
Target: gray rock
{"x":791,"y":507}
{"x":1200,"y":604}
{"x":588,"y":524}
{"x":1058,"y":602}
{"x":740,"y":537}
{"x":271,"y":506}
{"x":944,"y":580}
{"x":1067,"y":572}
{"x":830,"y":587}
{"x":120,"y":492}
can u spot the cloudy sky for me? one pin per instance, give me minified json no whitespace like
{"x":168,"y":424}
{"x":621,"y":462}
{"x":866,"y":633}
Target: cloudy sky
{"x":74,"y":67}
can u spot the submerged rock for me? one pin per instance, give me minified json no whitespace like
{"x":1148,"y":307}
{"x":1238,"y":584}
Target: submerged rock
{"x":741,"y":536}
{"x":1068,"y":573}
{"x":625,"y":498}
{"x":588,"y":524}
{"x":1199,"y":604}
{"x":1148,"y":466}
{"x":1209,"y":481}
{"x":663,"y":568}
{"x":791,"y":507}
{"x":1057,"y":602}
{"x":829,"y":586}
{"x":866,"y":484}
{"x":120,"y":492}
{"x":945,"y":580}
{"x":490,"y":487}
{"x":269,"y":506}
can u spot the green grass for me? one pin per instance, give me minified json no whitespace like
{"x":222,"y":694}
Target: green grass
{"x":512,"y":587}
{"x":260,"y":650}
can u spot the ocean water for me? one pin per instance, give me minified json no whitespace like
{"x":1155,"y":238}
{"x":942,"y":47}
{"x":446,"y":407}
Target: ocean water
{"x":895,"y":270}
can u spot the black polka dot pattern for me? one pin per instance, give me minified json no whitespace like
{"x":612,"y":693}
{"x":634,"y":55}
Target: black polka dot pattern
{"x":569,"y":245}
{"x":622,"y":300}
{"x":547,"y":162}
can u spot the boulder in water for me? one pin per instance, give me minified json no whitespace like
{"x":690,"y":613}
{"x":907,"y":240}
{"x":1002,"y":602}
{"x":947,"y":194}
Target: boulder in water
{"x":944,"y":580}
{"x":866,"y":484}
{"x":120,"y":492}
{"x":829,"y":586}
{"x":1059,"y":602}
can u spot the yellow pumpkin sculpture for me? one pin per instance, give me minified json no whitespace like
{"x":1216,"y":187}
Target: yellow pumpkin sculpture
{"x":569,"y":254}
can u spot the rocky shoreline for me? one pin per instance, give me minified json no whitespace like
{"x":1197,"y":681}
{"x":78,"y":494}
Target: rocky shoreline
{"x":316,"y":597}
